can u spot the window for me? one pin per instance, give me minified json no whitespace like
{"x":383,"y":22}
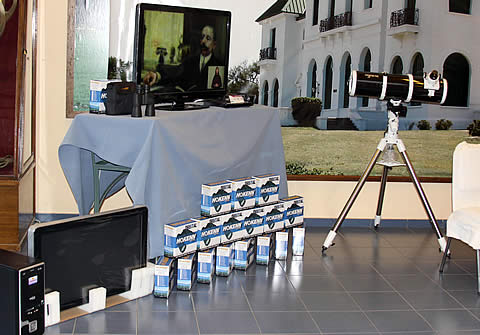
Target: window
{"x":410,"y":4}
{"x":368,"y":4}
{"x":457,"y":72}
{"x":315,"y":12}
{"x":275,"y":93}
{"x":331,"y":8}
{"x":328,"y":79}
{"x":273,"y":32}
{"x":397,"y":66}
{"x":346,"y":70}
{"x":265,"y":93}
{"x":348,"y":5}
{"x":459,"y":6}
{"x":366,"y":67}
{"x":417,"y":70}
{"x":313,"y":90}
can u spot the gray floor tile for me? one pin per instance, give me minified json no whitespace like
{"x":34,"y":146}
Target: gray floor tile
{"x":341,"y":267}
{"x":220,"y":301}
{"x":61,"y":328}
{"x":315,"y":283}
{"x":305,"y":268}
{"x":417,"y":282}
{"x":342,"y":322}
{"x":156,"y":323}
{"x":269,"y":301}
{"x":380,"y":301}
{"x":274,"y":268}
{"x":457,"y":282}
{"x":467,"y":265}
{"x":286,"y":322}
{"x":177,"y":301}
{"x":104,"y":322}
{"x":232,"y":283}
{"x":227,"y":323}
{"x":328,"y":301}
{"x":397,"y":266}
{"x":450,"y":320}
{"x":468,"y":299}
{"x":369,"y":282}
{"x":398,"y":321}
{"x":130,"y":306}
{"x":431,"y":300}
{"x":268,"y":284}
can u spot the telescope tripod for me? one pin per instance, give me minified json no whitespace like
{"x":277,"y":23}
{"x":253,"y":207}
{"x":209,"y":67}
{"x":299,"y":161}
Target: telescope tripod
{"x":394,"y":108}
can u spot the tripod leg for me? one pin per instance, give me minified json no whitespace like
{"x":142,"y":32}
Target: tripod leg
{"x":423,"y":198}
{"x":445,"y":254}
{"x":383,"y":185}
{"x":333,"y":232}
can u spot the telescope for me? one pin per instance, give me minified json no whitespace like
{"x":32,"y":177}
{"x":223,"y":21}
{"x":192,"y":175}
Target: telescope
{"x":430,"y":89}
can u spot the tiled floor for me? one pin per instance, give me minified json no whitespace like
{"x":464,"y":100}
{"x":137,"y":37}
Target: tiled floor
{"x":384,"y":282}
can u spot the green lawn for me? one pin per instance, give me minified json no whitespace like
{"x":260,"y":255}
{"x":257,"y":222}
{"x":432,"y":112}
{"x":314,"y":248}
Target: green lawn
{"x":348,"y":152}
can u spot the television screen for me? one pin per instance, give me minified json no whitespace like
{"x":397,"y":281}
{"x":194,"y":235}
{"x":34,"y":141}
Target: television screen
{"x":182,"y":53}
{"x":84,"y":252}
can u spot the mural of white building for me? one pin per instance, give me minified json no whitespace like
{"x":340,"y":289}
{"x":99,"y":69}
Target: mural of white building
{"x":309,"y":48}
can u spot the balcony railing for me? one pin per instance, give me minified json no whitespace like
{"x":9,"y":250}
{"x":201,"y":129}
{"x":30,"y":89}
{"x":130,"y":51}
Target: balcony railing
{"x":404,"y":16}
{"x":268,"y":53}
{"x":336,"y":21}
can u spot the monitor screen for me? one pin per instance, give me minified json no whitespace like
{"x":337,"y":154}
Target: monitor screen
{"x":182,"y":53}
{"x":85,"y":252}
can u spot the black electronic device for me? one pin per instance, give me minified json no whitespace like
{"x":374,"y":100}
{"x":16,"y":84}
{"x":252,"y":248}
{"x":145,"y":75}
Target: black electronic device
{"x":120,"y":98}
{"x":22,"y":303}
{"x":182,"y":53}
{"x":98,"y":250}
{"x":431,"y":88}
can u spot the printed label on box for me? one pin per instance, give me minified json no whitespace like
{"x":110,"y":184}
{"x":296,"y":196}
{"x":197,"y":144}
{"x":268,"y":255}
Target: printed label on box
{"x":293,"y":211}
{"x":244,"y":253}
{"x":254,"y":221}
{"x":216,"y":198}
{"x":266,"y":189}
{"x":281,"y":244}
{"x":243,"y":193}
{"x":274,"y":217}
{"x":186,"y":272}
{"x":224,"y":259}
{"x":298,"y":241}
{"x":206,"y":266}
{"x":98,"y":96}
{"x":265,"y":248}
{"x":164,"y":273}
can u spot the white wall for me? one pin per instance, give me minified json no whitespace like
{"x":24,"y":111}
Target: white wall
{"x":323,"y":199}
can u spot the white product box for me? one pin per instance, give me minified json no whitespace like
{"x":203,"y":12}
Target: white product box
{"x":216,"y":198}
{"x":265,"y":248}
{"x":298,"y":241}
{"x":243,"y":193}
{"x":180,"y":238}
{"x":293,"y":211}
{"x":224,"y":259}
{"x":245,"y":252}
{"x":281,"y":244}
{"x":206,"y":266}
{"x":274,"y":217}
{"x":186,"y":272}
{"x":164,"y":277}
{"x":266,"y":189}
{"x":233,"y":229}
{"x":254,"y":220}
{"x":97,"y":97}
{"x":209,"y":231}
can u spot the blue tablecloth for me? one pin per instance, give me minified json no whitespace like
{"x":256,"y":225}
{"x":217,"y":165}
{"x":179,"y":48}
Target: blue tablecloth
{"x":171,"y":156}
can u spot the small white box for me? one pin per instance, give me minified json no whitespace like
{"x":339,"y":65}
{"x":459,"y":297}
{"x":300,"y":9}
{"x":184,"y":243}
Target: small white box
{"x":164,"y":276}
{"x":281,"y":244}
{"x":298,"y":241}
{"x":245,"y":252}
{"x":216,"y":198}
{"x":224,"y":259}
{"x":293,"y":211}
{"x":209,"y":233}
{"x":97,"y":97}
{"x":274,"y":217}
{"x":254,"y":220}
{"x":265,"y":248}
{"x":233,"y":228}
{"x":186,"y":272}
{"x":266,"y":189}
{"x":206,"y":266}
{"x":180,"y":238}
{"x":243,"y":193}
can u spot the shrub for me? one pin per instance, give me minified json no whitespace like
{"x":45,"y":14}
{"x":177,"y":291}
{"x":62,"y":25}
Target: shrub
{"x":443,"y":124}
{"x":424,"y":125}
{"x":474,"y":128}
{"x":305,"y":100}
{"x":306,"y":110}
{"x":298,"y":168}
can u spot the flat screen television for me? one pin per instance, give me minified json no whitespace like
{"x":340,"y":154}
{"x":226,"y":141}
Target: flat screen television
{"x":181,"y":53}
{"x":85,"y":252}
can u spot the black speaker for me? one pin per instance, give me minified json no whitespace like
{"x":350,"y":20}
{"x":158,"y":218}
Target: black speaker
{"x":22,"y":292}
{"x":120,"y":97}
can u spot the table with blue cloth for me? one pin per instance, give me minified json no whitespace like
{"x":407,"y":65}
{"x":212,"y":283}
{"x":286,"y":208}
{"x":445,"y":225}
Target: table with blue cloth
{"x":170,"y":156}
